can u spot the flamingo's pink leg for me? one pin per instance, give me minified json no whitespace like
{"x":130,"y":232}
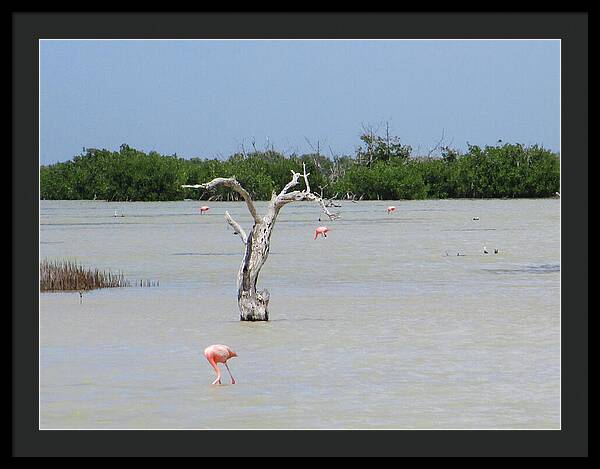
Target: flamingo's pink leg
{"x":232,"y":380}
{"x":211,"y":360}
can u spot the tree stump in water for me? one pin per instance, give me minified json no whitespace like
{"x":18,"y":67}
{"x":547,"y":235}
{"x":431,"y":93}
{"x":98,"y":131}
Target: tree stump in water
{"x":253,"y":304}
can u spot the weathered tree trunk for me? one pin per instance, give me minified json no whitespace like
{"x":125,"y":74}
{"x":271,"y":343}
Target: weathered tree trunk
{"x":253,"y":304}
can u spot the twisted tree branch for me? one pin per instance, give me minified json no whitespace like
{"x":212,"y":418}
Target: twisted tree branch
{"x":236,"y":186}
{"x":236,"y":227}
{"x":290,"y":184}
{"x":285,"y":197}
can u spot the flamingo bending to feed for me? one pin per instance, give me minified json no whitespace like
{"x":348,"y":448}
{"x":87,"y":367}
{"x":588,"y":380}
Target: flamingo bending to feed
{"x":219,"y":354}
{"x":321,"y":230}
{"x":391,"y":209}
{"x":203,"y":209}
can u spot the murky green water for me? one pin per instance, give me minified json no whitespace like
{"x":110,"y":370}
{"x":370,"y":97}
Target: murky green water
{"x":379,"y":325}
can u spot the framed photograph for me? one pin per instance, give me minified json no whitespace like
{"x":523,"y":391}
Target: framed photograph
{"x":300,"y":234}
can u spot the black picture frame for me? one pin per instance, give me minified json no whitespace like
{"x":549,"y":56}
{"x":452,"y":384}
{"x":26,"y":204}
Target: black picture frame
{"x":571,"y":28}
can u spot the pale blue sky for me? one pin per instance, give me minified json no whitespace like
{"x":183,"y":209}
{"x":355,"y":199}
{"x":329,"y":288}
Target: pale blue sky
{"x":208,"y":98}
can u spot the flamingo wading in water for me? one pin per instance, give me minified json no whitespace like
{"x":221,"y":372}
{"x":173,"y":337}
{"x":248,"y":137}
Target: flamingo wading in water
{"x":203,"y":209}
{"x":219,"y":354}
{"x":391,"y":209}
{"x":321,"y":230}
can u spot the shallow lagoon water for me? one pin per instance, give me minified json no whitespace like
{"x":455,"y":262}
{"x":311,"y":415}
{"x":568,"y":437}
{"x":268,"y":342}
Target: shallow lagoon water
{"x":379,"y":325}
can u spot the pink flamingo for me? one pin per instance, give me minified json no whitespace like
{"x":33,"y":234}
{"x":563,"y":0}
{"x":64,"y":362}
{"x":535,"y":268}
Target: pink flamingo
{"x":219,"y":354}
{"x":391,"y":209}
{"x":203,"y":209}
{"x":321,"y":230}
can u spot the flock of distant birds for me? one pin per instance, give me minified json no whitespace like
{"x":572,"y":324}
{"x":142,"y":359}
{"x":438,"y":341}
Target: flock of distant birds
{"x":219,"y":353}
{"x":485,"y":251}
{"x":323,"y":230}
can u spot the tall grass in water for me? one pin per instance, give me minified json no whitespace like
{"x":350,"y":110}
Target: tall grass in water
{"x":71,"y":276}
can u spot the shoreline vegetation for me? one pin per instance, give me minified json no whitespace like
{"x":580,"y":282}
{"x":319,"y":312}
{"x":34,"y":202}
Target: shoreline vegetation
{"x":65,"y":275}
{"x":382,"y":168}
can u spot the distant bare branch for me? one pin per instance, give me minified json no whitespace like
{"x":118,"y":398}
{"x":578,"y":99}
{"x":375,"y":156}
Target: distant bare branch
{"x":437,"y":145}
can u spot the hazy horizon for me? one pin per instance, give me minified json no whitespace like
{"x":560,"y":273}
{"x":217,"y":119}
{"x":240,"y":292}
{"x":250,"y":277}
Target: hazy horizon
{"x":213,"y":98}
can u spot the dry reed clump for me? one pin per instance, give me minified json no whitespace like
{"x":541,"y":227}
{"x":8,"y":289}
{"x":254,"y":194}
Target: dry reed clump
{"x":71,"y":276}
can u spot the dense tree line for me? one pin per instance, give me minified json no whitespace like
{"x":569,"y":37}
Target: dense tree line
{"x":382,"y":168}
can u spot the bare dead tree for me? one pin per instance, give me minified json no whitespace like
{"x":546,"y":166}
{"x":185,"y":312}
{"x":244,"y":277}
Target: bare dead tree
{"x":437,"y":145}
{"x":242,"y":149}
{"x":387,"y":139}
{"x":332,"y":203}
{"x":316,"y":150}
{"x":270,"y":147}
{"x":253,"y":304}
{"x":352,"y":197}
{"x":336,"y":171}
